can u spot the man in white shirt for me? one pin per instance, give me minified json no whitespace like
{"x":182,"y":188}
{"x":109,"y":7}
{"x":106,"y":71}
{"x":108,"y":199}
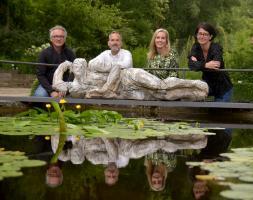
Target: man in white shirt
{"x":112,"y":61}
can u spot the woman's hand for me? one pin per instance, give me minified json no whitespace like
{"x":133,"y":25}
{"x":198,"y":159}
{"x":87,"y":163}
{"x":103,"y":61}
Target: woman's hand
{"x":212,"y":65}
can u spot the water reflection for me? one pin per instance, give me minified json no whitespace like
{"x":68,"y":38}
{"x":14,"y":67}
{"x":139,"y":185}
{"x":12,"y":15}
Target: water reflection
{"x":158,"y":165}
{"x":115,"y":153}
{"x":54,"y":176}
{"x":87,"y":181}
{"x":216,"y":145}
{"x":200,"y":188}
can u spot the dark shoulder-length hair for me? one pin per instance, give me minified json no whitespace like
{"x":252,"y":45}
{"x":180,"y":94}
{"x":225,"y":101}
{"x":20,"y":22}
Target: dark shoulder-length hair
{"x":207,"y":27}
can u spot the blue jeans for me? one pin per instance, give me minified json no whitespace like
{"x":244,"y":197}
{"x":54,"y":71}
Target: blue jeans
{"x":41,"y":92}
{"x":226,"y":97}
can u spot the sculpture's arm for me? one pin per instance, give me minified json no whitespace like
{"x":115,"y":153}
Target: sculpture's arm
{"x":58,"y":83}
{"x":111,"y":148}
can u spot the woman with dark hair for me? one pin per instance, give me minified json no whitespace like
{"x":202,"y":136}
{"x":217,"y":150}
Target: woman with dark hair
{"x":207,"y":56}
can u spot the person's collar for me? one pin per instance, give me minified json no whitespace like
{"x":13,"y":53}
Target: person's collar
{"x":114,"y":54}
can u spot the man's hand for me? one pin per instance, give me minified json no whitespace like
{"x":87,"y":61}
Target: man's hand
{"x":57,"y":94}
{"x":194,"y":58}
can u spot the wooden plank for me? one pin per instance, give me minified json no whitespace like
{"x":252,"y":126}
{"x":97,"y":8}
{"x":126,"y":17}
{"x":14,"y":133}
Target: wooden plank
{"x":123,"y":102}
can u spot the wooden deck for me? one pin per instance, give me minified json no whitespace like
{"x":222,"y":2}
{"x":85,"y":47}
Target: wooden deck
{"x":15,"y":100}
{"x":124,"y":102}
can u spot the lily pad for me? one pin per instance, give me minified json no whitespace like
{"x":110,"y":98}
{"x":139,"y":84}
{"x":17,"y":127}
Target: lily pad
{"x":92,"y":123}
{"x":11,"y":163}
{"x":240,"y":167}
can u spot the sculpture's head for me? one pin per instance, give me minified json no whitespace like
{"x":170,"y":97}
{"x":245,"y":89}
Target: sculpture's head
{"x":78,"y":67}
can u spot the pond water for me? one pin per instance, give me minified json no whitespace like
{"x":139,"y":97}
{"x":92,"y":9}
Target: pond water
{"x":132,"y":179}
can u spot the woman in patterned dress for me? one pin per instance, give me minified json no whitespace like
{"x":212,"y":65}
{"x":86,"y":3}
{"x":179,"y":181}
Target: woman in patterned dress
{"x":161,"y":55}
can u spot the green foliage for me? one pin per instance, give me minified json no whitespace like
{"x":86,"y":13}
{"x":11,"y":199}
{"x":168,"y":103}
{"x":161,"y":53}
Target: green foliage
{"x":25,"y":24}
{"x":183,"y":57}
{"x":139,"y":57}
{"x":240,"y":53}
{"x":35,"y":84}
{"x":33,"y":51}
{"x":243,"y":91}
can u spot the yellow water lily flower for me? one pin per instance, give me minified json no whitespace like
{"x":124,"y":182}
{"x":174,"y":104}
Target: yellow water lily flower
{"x":77,"y":138}
{"x":47,"y":137}
{"x":78,"y":106}
{"x":62,"y":101}
{"x":48,"y":105}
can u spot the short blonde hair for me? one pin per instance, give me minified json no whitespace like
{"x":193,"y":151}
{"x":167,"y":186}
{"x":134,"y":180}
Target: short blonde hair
{"x":152,"y":48}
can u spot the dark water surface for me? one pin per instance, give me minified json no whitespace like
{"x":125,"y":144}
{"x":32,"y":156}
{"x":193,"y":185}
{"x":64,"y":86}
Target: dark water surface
{"x":87,"y":181}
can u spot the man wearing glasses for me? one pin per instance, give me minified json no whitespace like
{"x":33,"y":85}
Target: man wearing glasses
{"x":55,"y":54}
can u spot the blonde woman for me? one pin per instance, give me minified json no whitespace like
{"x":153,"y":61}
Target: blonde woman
{"x":158,"y":165}
{"x":161,"y":55}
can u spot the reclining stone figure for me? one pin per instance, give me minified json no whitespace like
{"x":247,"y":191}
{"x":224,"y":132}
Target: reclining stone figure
{"x":131,"y":83}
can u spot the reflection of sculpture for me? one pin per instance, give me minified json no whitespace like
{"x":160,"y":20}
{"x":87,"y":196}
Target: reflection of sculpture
{"x":132,"y":83}
{"x":72,"y":150}
{"x":115,"y":153}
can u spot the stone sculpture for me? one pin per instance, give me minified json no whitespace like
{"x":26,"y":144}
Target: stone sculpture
{"x":131,"y":83}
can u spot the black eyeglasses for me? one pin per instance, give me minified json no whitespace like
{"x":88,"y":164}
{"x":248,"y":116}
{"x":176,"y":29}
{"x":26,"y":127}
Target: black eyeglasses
{"x":58,"y":36}
{"x":203,"y":34}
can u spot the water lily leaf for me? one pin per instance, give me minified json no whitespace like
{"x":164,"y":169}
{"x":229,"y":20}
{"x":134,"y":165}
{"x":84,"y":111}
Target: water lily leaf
{"x":95,"y":130}
{"x":237,"y":194}
{"x":12,"y":161}
{"x":103,"y":124}
{"x":9,"y":167}
{"x":246,"y":178}
{"x":31,"y":163}
{"x":12,"y":174}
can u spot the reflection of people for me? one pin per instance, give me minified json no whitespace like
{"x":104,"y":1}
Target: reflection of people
{"x":132,"y":83}
{"x":216,"y":144}
{"x":55,"y":54}
{"x":207,"y":55}
{"x":105,"y":151}
{"x":111,"y":174}
{"x":200,"y":189}
{"x":158,"y":165}
{"x":54,"y":176}
{"x":161,"y":55}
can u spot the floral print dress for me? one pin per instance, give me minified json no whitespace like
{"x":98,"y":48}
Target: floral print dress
{"x":159,"y":62}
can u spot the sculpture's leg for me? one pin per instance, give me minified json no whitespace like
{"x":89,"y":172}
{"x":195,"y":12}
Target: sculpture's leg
{"x":142,"y":78}
{"x":173,"y":82}
{"x":112,"y":80}
{"x":109,"y":88}
{"x":185,"y":94}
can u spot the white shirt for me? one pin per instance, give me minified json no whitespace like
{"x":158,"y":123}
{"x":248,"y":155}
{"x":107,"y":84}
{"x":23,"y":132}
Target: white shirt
{"x":106,"y":59}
